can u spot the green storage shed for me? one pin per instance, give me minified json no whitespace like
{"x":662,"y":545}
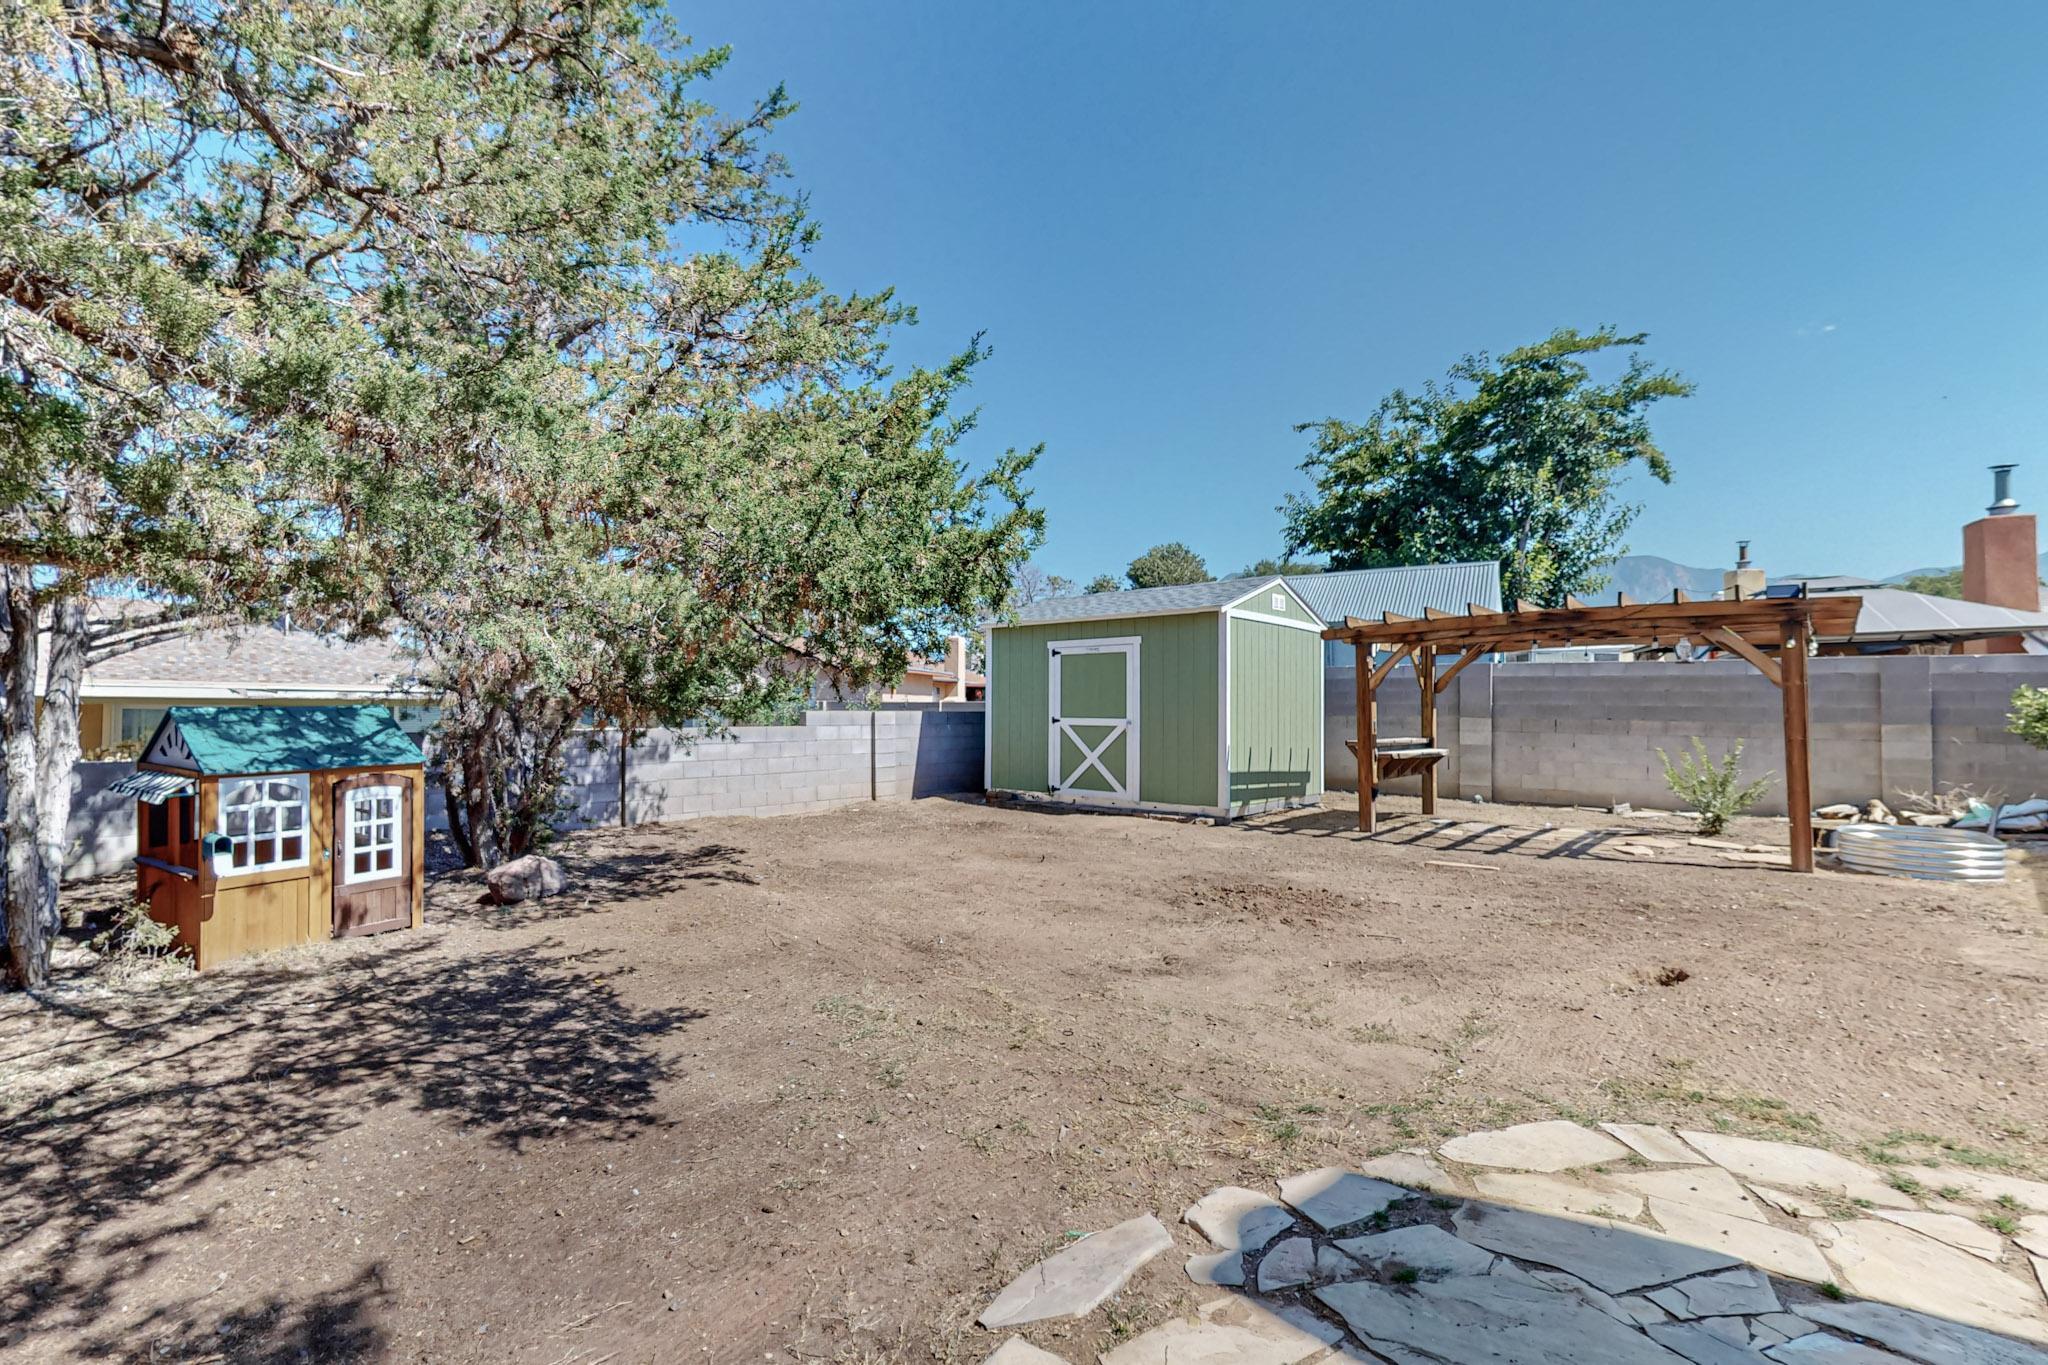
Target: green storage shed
{"x":1203,"y":698}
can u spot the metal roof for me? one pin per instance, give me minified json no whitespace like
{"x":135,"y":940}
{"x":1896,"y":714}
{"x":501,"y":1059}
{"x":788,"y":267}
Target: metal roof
{"x":280,"y":739}
{"x":1895,"y":614}
{"x":1404,"y":591}
{"x":1103,"y":606}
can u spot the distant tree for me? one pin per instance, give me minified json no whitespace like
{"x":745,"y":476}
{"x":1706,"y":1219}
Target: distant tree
{"x":1103,"y":582}
{"x":1033,"y":584}
{"x":1165,"y":565}
{"x":1515,"y":459}
{"x":1949,"y":584}
{"x":1266,"y":568}
{"x":2029,"y":716}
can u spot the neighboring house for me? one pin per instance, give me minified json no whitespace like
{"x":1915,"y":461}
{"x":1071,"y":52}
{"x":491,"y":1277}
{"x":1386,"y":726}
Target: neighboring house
{"x":925,"y":681}
{"x":125,"y":696}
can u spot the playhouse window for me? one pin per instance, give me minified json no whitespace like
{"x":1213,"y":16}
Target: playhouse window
{"x":264,"y":819}
{"x":374,"y":844}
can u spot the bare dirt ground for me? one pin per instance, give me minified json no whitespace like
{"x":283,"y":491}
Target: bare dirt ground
{"x":816,"y":1087}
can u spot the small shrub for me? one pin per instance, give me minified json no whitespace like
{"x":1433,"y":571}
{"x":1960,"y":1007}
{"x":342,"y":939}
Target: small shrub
{"x":134,"y":944}
{"x":2029,"y":716}
{"x":1715,"y":790}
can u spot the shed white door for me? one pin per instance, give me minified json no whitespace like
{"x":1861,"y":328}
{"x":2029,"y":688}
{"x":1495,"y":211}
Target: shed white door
{"x":1093,"y":744}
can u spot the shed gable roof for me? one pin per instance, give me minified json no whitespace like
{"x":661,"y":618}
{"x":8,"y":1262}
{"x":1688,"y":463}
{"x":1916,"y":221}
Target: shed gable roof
{"x":279,"y":739}
{"x":1214,"y":595}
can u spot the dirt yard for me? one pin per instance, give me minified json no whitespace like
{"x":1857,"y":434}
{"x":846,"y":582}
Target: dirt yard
{"x":814,"y":1088}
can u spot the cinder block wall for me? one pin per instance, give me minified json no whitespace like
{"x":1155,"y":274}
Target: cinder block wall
{"x":1588,"y":734}
{"x":832,"y":759}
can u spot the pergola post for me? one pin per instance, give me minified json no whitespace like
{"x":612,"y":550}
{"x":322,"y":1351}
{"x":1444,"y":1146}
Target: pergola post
{"x":1368,"y":707}
{"x":1798,"y":748}
{"x":1425,"y":681}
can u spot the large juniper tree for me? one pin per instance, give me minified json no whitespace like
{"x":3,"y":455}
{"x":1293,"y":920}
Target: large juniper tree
{"x":1515,"y":459}
{"x":467,"y":317}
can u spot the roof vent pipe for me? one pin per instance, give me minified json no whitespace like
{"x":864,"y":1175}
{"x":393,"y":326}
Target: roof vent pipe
{"x":2003,"y":503}
{"x":1742,"y":553}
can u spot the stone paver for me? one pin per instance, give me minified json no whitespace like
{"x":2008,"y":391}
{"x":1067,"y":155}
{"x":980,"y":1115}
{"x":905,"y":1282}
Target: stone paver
{"x":1297,"y":1260}
{"x":1881,"y":1260}
{"x":1224,"y":1268}
{"x":2033,"y":1234}
{"x":1231,"y":1332}
{"x":1424,"y":1248}
{"x":1701,"y":1346}
{"x":1332,"y":1197}
{"x":1960,"y":1233}
{"x":1238,"y":1219}
{"x":1713,"y":1296}
{"x":1486,"y":1319}
{"x":1558,"y":1145}
{"x":1555,"y":1194}
{"x":1413,"y":1170}
{"x":1707,"y":1187}
{"x":1789,"y":1202}
{"x":1790,"y":1166}
{"x":1652,"y":1143}
{"x":1605,"y":1302}
{"x":1760,"y":1244}
{"x":1930,"y":1340}
{"x":1822,"y":1349}
{"x":1987,"y":1186}
{"x":1078,"y":1279}
{"x":1610,"y":1256}
{"x":1017,"y":1351}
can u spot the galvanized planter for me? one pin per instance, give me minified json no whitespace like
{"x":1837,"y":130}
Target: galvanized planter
{"x":1949,"y":855}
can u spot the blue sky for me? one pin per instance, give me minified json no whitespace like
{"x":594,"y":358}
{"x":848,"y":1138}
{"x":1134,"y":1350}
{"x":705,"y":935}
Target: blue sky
{"x":1186,"y":227}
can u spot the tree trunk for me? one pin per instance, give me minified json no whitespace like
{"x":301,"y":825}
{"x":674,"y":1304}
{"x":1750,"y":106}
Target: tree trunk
{"x":57,"y":750}
{"x":28,"y":945}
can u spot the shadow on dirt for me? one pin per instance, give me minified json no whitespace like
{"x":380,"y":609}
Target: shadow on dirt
{"x":260,"y":1062}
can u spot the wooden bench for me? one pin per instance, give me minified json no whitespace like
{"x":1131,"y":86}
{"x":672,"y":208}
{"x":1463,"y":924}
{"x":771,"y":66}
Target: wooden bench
{"x":1400,"y":756}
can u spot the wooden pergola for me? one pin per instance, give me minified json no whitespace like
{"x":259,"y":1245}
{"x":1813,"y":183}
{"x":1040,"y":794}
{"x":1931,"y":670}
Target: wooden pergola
{"x":1772,"y":633}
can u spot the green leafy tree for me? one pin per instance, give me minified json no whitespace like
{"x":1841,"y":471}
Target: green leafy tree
{"x":1948,"y":584}
{"x":474,"y":321}
{"x":1165,"y":565}
{"x":2029,"y":716}
{"x":1103,"y":582}
{"x":1515,"y":459}
{"x":1267,"y":568}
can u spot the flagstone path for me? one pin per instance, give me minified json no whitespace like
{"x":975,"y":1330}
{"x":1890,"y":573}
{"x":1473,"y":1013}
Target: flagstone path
{"x":1554,"y":1244}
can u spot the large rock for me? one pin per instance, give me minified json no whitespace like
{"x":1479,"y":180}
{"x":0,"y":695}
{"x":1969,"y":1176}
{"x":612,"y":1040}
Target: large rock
{"x":1077,"y":1280}
{"x":1917,"y":1336}
{"x":525,"y":879}
{"x":1487,"y":1319}
{"x":1790,"y":1166}
{"x":1558,"y":1145}
{"x":1609,"y":1256}
{"x":1881,"y":1260}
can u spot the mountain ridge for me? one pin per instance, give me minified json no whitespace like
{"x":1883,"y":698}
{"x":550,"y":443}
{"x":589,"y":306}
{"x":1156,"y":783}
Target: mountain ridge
{"x":1648,"y":577}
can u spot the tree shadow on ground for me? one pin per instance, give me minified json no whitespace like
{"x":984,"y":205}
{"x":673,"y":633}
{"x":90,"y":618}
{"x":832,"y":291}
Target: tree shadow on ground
{"x":604,"y":872}
{"x":116,"y":1106}
{"x":1440,"y":834}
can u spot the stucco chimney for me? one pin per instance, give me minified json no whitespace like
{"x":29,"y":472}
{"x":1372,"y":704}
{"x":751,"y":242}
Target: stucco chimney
{"x":956,"y":664}
{"x":1745,"y":579}
{"x":2001,"y":562}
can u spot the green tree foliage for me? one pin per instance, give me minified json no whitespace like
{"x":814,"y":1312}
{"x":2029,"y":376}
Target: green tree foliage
{"x":1103,"y":582}
{"x":1515,"y":460}
{"x":1949,"y":584}
{"x":1164,"y":565}
{"x":2029,"y":716}
{"x":1267,"y":568}
{"x":474,"y":321}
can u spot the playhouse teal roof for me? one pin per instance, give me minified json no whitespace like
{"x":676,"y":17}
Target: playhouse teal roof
{"x":280,"y":739}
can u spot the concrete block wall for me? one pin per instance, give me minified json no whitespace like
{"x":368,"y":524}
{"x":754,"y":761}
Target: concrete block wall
{"x":1588,"y":734}
{"x":833,"y":759}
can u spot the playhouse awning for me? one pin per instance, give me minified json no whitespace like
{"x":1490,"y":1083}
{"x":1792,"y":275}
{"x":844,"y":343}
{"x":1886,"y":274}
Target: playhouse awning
{"x":155,"y":788}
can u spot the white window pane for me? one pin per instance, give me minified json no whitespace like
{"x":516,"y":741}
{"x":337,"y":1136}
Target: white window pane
{"x":244,"y":793}
{"x":236,"y":823}
{"x":384,"y":808}
{"x":266,"y":819}
{"x":284,"y":791}
{"x":294,"y":817}
{"x":383,"y":834}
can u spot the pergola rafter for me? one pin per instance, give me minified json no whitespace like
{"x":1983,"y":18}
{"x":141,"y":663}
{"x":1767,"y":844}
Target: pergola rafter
{"x":1773,"y":634}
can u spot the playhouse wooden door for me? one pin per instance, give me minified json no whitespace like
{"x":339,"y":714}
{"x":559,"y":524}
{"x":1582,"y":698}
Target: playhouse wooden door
{"x":372,"y":865}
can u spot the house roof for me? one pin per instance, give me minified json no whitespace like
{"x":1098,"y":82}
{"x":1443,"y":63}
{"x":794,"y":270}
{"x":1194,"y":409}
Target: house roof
{"x":1405,"y":591}
{"x":1895,"y":614}
{"x":1214,"y":595}
{"x":279,"y":739}
{"x":255,"y":661}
